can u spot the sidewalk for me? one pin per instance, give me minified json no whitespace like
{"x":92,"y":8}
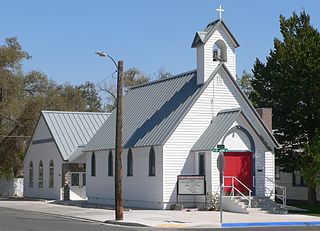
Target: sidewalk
{"x":160,"y":218}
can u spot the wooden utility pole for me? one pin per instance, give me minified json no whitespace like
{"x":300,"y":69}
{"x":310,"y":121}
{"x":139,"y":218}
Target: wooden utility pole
{"x":118,"y":146}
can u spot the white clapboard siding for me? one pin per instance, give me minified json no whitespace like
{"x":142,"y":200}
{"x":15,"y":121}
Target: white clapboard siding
{"x":45,"y":152}
{"x":211,"y":65}
{"x":177,"y":160}
{"x":298,"y":193}
{"x":139,"y":190}
{"x":224,"y":95}
{"x":270,"y":170}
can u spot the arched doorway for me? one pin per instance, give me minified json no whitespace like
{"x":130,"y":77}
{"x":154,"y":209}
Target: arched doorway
{"x":239,"y":161}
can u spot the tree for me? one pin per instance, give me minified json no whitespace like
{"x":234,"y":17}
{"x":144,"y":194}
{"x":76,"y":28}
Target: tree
{"x":245,"y":83}
{"x":23,"y":96}
{"x":163,"y":73}
{"x":131,"y":77}
{"x":289,"y":82}
{"x":90,"y":93}
{"x":309,"y":165}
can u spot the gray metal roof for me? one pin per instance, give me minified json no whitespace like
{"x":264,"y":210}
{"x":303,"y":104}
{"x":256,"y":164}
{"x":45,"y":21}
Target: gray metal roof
{"x":216,"y":130}
{"x":151,"y":113}
{"x":202,"y":37}
{"x":73,"y":129}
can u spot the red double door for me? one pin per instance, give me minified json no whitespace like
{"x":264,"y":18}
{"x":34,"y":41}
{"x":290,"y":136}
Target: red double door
{"x":239,"y":165}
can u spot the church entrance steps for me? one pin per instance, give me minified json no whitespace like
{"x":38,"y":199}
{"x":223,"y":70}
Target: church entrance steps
{"x":258,"y":205}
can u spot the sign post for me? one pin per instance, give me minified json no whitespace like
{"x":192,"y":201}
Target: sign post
{"x":220,"y":165}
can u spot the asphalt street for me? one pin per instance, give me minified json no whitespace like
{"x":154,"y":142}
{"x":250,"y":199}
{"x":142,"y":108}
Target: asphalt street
{"x":19,"y":220}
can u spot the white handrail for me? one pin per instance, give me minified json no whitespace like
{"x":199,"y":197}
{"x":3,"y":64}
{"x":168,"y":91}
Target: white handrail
{"x":282,"y":197}
{"x":233,"y":178}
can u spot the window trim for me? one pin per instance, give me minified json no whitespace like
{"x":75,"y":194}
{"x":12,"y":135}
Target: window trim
{"x":51,"y":174}
{"x":202,"y":154}
{"x":129,"y":163}
{"x":31,"y":172}
{"x":93,"y":164}
{"x":152,"y":162}
{"x":110,"y":163}
{"x":40,"y":175}
{"x":302,"y":183}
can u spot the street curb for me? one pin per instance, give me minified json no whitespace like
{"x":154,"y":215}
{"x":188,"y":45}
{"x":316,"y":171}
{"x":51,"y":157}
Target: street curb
{"x":123,"y":223}
{"x":271,"y":224}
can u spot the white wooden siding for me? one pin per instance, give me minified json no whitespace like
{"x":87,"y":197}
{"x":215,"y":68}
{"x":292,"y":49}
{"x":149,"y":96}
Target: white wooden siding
{"x":299,"y":193}
{"x":139,"y":190}
{"x":44,"y":152}
{"x":177,"y":159}
{"x":211,"y":65}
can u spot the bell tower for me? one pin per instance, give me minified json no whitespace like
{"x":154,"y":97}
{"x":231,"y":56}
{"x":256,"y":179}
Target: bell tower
{"x":215,"y":44}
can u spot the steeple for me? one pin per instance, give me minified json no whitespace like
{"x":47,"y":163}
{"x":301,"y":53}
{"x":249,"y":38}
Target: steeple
{"x":214,"y":44}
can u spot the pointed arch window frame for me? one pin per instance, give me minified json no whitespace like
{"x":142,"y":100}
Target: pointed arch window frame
{"x":129,"y":163}
{"x":152,"y":162}
{"x":51,"y":174}
{"x":31,"y":174}
{"x":40,"y":175}
{"x":110,"y":163}
{"x":93,"y":164}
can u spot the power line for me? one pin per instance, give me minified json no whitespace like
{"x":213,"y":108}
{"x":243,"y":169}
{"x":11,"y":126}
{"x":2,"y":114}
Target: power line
{"x":111,"y":75}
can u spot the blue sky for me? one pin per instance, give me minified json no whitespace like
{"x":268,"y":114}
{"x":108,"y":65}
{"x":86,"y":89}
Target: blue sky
{"x":62,"y":36}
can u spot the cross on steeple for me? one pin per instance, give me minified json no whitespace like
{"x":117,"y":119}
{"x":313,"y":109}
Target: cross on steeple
{"x":220,"y":11}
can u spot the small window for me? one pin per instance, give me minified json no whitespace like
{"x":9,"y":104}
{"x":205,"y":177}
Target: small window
{"x":51,"y":174}
{"x":31,"y":174}
{"x":152,"y":162}
{"x":129,"y":163}
{"x":298,"y":179}
{"x":93,"y":164}
{"x":75,"y":179}
{"x":202,"y":160}
{"x":40,"y":174}
{"x":84,"y":179}
{"x":110,"y":164}
{"x":277,"y":173}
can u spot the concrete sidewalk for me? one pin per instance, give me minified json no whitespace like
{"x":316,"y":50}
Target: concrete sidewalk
{"x":160,"y":218}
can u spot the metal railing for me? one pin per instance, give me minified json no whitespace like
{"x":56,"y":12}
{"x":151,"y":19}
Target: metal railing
{"x":234,"y":188}
{"x":282,"y":195}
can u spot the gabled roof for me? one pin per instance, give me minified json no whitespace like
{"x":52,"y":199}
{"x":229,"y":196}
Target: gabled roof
{"x":216,"y":130}
{"x":73,"y":129}
{"x":151,"y":113}
{"x":202,"y":37}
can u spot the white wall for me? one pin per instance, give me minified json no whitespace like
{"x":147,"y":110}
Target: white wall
{"x":45,"y":152}
{"x":139,"y":190}
{"x":299,"y":193}
{"x":211,"y":65}
{"x":11,"y":187}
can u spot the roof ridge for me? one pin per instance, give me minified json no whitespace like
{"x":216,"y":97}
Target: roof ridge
{"x":75,"y":112}
{"x":164,"y":79}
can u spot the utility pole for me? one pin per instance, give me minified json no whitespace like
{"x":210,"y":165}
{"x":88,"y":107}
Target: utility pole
{"x":118,"y":146}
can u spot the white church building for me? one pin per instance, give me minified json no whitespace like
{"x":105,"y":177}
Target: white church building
{"x":171,"y":125}
{"x":170,"y":129}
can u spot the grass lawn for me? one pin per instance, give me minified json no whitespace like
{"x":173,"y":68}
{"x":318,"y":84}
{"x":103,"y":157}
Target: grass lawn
{"x":312,"y":210}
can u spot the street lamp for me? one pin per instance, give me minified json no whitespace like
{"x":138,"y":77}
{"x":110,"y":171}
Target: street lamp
{"x":118,"y":146}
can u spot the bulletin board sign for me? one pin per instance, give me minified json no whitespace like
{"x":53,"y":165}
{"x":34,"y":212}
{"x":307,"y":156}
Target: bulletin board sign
{"x":191,"y":185}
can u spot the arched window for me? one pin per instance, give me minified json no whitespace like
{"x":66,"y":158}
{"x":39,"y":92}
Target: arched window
{"x":219,"y":51}
{"x":93,"y":164}
{"x":110,"y":164}
{"x":129,"y":163}
{"x":51,"y":174}
{"x":31,"y":174}
{"x":40,"y":174}
{"x":152,"y":162}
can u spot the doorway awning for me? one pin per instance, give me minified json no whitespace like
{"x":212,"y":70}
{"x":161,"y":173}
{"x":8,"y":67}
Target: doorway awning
{"x":216,"y":130}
